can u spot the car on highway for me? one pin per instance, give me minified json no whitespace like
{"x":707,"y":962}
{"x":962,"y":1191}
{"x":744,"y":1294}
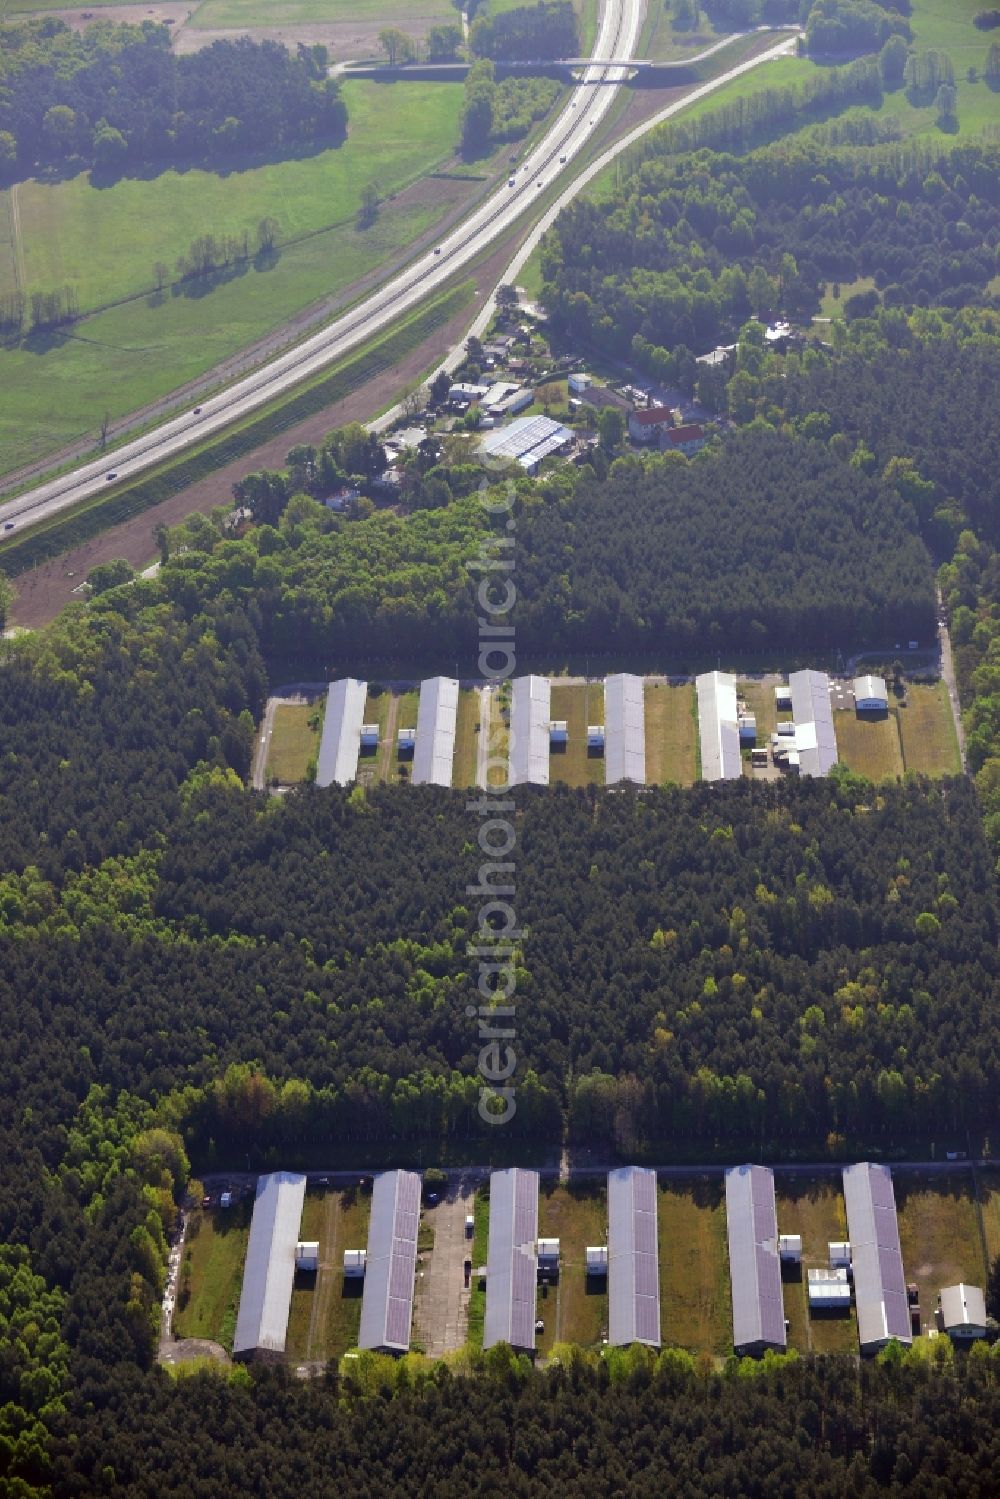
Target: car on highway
{"x":437,"y":249}
{"x":562,"y":160}
{"x":8,"y":525}
{"x":109,"y":477}
{"x":510,"y":182}
{"x":197,"y":411}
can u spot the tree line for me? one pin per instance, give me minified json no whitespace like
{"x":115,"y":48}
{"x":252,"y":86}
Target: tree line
{"x":703,"y":240}
{"x":116,"y":96}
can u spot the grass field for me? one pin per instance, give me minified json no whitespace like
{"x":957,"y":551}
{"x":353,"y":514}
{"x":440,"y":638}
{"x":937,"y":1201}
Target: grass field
{"x":695,"y":1298}
{"x":104,"y":241}
{"x":869,"y":746}
{"x":760,"y":700}
{"x":927,"y":731}
{"x":466,"y":739}
{"x":671,"y":735}
{"x":215,"y":1248}
{"x":294,"y":742}
{"x":831,"y":306}
{"x":224,"y":15}
{"x":573,"y":1312}
{"x":946,"y":25}
{"x":499,"y":738}
{"x":938,"y":1233}
{"x":814,"y":1207}
{"x":480,"y":1244}
{"x":579,"y":706}
{"x":989,"y":1196}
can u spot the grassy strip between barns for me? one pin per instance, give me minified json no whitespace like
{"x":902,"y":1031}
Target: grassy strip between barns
{"x":480,"y":1244}
{"x":49,"y":540}
{"x":927,"y":731}
{"x":576,"y":1309}
{"x":294,"y":741}
{"x":671,"y":734}
{"x":211,"y":1271}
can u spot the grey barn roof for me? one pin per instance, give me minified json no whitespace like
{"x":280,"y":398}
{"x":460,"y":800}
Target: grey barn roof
{"x":269,"y":1273}
{"x":871,"y":689}
{"x":624,"y":729}
{"x":962,"y":1306}
{"x":437,"y":719}
{"x":387,"y":1304}
{"x":815,"y":739}
{"x":633,"y":1257}
{"x":754,"y":1265}
{"x":879,"y":1284}
{"x":718,"y":726}
{"x":530,"y":712}
{"x":341,"y":742}
{"x":512,"y":1259}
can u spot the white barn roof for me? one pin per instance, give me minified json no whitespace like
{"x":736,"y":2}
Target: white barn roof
{"x":390,"y":1266}
{"x":754,"y":1263}
{"x":815,"y":739}
{"x":437,"y":719}
{"x":624,"y":729}
{"x":527,"y":440}
{"x":718,"y":725}
{"x":530,"y":713}
{"x":633,"y":1258}
{"x":341,"y":742}
{"x":871,"y":690}
{"x":962,"y":1307}
{"x":879,"y":1284}
{"x":269,"y":1273}
{"x":512,"y":1259}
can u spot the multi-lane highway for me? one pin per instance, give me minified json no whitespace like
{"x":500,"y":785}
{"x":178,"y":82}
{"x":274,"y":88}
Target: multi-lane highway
{"x":567,"y":137}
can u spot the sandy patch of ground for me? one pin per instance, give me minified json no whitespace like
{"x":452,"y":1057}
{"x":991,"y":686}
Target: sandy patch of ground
{"x":346,"y":40}
{"x":169,"y":11}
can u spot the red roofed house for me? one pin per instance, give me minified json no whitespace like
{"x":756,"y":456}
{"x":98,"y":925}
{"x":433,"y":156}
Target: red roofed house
{"x":686,"y":440}
{"x":646,"y":426}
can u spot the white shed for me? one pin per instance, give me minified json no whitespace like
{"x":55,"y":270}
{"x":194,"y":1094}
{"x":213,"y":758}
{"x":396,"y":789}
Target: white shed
{"x":597,"y":1259}
{"x":307,"y":1254}
{"x":558,"y":733}
{"x":595,"y":739}
{"x":790,"y":1248}
{"x":870,"y":695}
{"x":840,"y":1253}
{"x":354,"y":1263}
{"x":829,"y":1290}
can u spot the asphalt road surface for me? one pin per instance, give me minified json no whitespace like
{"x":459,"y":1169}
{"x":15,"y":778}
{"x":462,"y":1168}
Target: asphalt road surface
{"x":568,"y":136}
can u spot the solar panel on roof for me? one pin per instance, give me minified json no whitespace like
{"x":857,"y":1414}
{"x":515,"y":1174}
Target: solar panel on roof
{"x":387,"y":1303}
{"x":754,"y":1265}
{"x":633,"y":1262}
{"x":512,"y":1259}
{"x":879,"y":1282}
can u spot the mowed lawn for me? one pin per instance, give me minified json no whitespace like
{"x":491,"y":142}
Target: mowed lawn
{"x":813,"y":1206}
{"x":947,"y":26}
{"x":989,"y":1196}
{"x":938,"y":1233}
{"x":294,"y":742}
{"x":695,"y":1295}
{"x":671,"y":735}
{"x":215,"y":1247}
{"x":580,"y":706}
{"x":869,"y":745}
{"x":927,"y":729}
{"x":466,"y":739}
{"x":325,"y":1314}
{"x":577,"y":1310}
{"x":104,"y":242}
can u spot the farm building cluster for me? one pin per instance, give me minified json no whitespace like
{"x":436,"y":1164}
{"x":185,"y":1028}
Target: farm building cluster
{"x":803,"y":740}
{"x":862,"y":1274}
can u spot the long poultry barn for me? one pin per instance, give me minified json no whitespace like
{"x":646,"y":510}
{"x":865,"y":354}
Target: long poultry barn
{"x":340,"y":745}
{"x":876,"y":1259}
{"x":437,"y":720}
{"x":269,"y":1272}
{"x":633,"y":1258}
{"x":530,"y":715}
{"x":390,"y":1264}
{"x":512,"y":1260}
{"x":754,"y":1262}
{"x":624,"y":729}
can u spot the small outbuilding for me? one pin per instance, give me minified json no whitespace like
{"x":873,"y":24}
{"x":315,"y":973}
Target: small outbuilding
{"x":748,"y":729}
{"x":790,"y":1249}
{"x":783,"y":698}
{"x":829,"y":1290}
{"x":369,"y":738}
{"x":840,"y":1254}
{"x":870,"y":695}
{"x":406,"y":743}
{"x":595,"y":739}
{"x":963,"y":1311}
{"x":558,"y":734}
{"x":597,"y":1259}
{"x":548,"y":1257}
{"x":307,"y":1255}
{"x":354,"y":1263}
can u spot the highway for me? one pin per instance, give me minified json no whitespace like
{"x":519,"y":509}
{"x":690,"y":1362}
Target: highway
{"x":568,"y":136}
